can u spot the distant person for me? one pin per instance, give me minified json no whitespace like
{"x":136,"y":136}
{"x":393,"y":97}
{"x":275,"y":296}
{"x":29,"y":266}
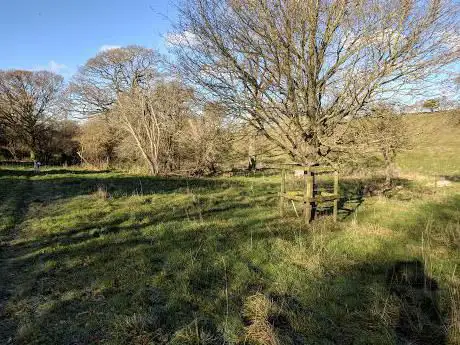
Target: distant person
{"x":37,"y":166}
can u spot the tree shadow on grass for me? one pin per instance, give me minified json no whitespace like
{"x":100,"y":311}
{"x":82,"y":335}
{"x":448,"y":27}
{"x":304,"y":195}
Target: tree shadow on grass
{"x":83,"y":183}
{"x":451,"y":178}
{"x":171,"y":282}
{"x":368,"y":303}
{"x":353,"y":192}
{"x":83,"y":282}
{"x":126,"y":288}
{"x":112,"y":275}
{"x":24,"y":258}
{"x":30,"y":172}
{"x":381,"y":302}
{"x":97,"y":229}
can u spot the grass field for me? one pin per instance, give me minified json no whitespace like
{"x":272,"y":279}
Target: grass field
{"x":436,"y":144}
{"x":110,"y":258}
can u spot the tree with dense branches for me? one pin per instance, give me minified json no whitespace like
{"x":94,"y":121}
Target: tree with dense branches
{"x":96,"y":86}
{"x":299,"y":71}
{"x":28,"y":100}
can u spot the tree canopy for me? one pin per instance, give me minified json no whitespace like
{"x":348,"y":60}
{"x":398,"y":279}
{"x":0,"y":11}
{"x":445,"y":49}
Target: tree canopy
{"x":298,"y":70}
{"x":28,"y":101}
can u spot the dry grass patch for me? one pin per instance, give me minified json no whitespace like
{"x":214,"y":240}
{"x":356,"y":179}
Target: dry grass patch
{"x":257,"y":310}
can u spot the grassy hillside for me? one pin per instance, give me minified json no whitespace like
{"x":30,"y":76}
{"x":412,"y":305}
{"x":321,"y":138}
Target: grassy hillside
{"x":435,"y":144}
{"x":109,"y":258}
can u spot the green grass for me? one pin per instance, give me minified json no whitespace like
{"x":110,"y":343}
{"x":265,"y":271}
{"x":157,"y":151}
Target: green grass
{"x":110,"y":258}
{"x":435,"y":144}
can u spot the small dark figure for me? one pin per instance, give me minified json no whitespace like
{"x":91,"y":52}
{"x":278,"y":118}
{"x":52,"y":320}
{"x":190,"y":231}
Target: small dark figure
{"x":252,"y":164}
{"x":420,"y":321}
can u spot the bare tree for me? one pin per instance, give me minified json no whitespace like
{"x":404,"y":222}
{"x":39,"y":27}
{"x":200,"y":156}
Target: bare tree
{"x":98,"y":140}
{"x":125,"y":86}
{"x":384,"y":132}
{"x":96,"y":89}
{"x":298,"y":71}
{"x":136,"y":114}
{"x":58,"y":145}
{"x":9,"y":145}
{"x":173,"y":103}
{"x":27,"y":101}
{"x":205,"y":140}
{"x":96,"y":86}
{"x":150,"y":117}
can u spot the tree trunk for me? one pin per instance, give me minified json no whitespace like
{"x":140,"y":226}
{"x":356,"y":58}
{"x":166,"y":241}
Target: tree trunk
{"x":153,"y":167}
{"x":252,"y":163}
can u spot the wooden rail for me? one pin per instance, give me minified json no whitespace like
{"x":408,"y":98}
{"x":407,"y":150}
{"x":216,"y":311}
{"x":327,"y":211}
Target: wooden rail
{"x":318,"y":198}
{"x":307,"y":196}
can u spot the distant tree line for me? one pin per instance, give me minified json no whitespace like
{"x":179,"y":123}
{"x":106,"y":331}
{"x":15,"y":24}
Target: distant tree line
{"x":307,"y":81}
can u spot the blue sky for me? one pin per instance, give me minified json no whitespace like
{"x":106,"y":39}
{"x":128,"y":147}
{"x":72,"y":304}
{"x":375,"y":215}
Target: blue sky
{"x":60,"y":35}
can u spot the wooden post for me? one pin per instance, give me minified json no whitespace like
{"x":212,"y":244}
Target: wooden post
{"x":336,"y":192}
{"x":313,"y":204}
{"x":310,"y":197}
{"x":308,"y":194}
{"x":282,"y":191}
{"x":305,"y":196}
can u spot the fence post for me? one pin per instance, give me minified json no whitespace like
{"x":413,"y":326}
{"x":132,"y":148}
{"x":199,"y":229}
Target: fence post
{"x":308,"y":194}
{"x":336,"y":192}
{"x":282,"y":191}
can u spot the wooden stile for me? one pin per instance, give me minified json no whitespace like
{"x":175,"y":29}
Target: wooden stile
{"x":307,"y":195}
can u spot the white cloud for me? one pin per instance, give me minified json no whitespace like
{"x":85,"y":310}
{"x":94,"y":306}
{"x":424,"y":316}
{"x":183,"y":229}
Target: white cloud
{"x":55,"y":67}
{"x":185,"y":38}
{"x":106,"y":47}
{"x":52,"y":66}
